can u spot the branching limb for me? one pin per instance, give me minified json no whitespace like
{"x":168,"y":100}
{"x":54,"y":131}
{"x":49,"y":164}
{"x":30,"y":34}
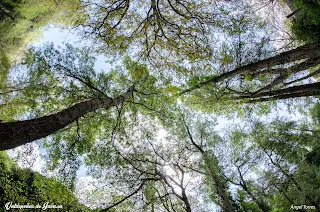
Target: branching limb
{"x":130,"y":195}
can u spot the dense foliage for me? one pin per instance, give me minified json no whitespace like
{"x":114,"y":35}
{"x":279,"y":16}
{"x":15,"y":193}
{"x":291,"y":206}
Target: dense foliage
{"x":145,"y":126}
{"x":23,"y":186}
{"x":21,"y":22}
{"x":306,"y":25}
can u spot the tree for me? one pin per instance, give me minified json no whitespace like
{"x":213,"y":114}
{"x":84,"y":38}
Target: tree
{"x":153,"y":24}
{"x":13,"y":134}
{"x":52,"y":69}
{"x":7,"y":10}
{"x":255,"y":79}
{"x":21,"y":23}
{"x":243,"y":168}
{"x":276,"y":152}
{"x":212,"y":167}
{"x":46,"y":66}
{"x":266,"y":162}
{"x":149,"y":176}
{"x":98,"y":117}
{"x":268,"y":79}
{"x":23,"y":186}
{"x":306,"y":23}
{"x":282,"y":159}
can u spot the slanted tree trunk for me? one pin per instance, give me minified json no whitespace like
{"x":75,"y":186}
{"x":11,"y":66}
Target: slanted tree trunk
{"x":14,"y":134}
{"x":306,"y":90}
{"x":302,"y":52}
{"x":294,"y":13}
{"x":186,"y":201}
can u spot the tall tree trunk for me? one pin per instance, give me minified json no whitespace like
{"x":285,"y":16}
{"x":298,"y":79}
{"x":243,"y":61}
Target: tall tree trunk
{"x":213,"y":170}
{"x":287,"y":72}
{"x":294,"y":13}
{"x":13,"y":134}
{"x":185,"y":200}
{"x":262,"y":205}
{"x":302,"y":52}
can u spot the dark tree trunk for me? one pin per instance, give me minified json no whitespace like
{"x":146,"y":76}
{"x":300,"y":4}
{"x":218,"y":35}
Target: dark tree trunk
{"x":213,"y":170}
{"x":262,"y":205}
{"x":186,"y":201}
{"x":294,"y":13}
{"x":299,"y":53}
{"x":312,"y":89}
{"x":216,"y":177}
{"x":14,"y":134}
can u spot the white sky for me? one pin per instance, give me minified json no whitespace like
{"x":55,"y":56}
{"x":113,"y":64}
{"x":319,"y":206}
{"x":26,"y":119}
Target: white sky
{"x":59,"y":37}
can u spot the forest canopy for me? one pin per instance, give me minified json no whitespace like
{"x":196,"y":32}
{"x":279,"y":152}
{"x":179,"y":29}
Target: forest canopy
{"x":148,"y":126}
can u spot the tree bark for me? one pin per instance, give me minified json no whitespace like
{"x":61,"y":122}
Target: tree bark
{"x":287,"y":72}
{"x":243,"y":184}
{"x":212,"y":170}
{"x":312,"y":89}
{"x":14,"y":134}
{"x":302,"y":52}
